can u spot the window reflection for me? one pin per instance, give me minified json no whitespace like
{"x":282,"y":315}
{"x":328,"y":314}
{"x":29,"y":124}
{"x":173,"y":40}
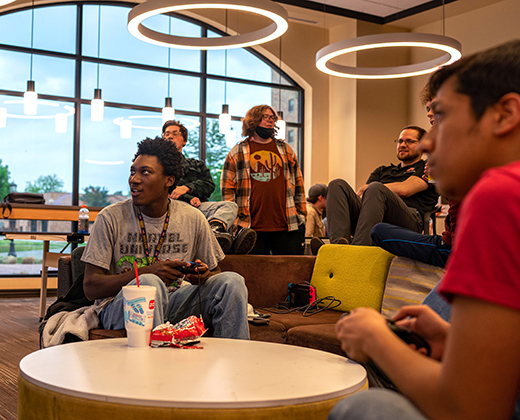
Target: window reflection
{"x":118,"y":44}
{"x":15,"y":28}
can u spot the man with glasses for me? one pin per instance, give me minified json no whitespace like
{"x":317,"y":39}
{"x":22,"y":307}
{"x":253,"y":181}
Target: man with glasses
{"x":195,"y":187}
{"x":394,"y":194}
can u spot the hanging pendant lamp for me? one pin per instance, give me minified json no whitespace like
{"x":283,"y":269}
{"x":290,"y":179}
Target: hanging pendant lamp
{"x":97,"y":104}
{"x":450,"y":46}
{"x":224,"y":119}
{"x":266,"y":8}
{"x":30,"y":97}
{"x":168,"y":112}
{"x":280,"y":124}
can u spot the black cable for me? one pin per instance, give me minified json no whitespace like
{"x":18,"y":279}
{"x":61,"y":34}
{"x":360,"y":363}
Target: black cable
{"x":306,"y":309}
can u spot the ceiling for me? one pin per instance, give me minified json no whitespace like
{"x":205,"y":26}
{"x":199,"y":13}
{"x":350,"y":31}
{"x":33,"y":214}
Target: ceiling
{"x":376,"y":11}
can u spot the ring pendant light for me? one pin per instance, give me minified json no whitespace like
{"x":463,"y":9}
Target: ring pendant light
{"x":450,"y":46}
{"x":150,"y":8}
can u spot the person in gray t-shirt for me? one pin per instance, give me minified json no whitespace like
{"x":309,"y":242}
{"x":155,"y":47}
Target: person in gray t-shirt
{"x":161,"y":235}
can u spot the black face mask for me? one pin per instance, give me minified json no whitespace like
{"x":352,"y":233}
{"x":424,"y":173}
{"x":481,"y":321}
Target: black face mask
{"x":263,"y":132}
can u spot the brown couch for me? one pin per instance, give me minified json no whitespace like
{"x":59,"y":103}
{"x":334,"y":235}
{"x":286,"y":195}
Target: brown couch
{"x":267,"y":279}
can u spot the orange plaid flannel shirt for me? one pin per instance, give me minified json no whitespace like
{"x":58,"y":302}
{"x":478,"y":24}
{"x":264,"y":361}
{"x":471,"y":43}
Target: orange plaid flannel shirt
{"x":235,"y":183}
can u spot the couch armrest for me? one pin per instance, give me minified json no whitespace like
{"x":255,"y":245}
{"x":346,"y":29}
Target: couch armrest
{"x":64,"y":275}
{"x":267,"y":277}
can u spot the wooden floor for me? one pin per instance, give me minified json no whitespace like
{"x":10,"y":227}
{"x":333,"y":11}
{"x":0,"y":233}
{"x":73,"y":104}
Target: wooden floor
{"x":18,"y":337}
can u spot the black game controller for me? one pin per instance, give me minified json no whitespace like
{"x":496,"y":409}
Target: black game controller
{"x":188,"y":269}
{"x":410,"y":337}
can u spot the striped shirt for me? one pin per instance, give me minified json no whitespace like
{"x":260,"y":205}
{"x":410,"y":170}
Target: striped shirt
{"x":235,"y":183}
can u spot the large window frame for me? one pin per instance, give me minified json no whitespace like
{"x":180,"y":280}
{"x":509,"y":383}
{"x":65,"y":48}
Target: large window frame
{"x":204,"y":77}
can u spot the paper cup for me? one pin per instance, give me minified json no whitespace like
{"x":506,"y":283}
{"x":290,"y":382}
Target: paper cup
{"x":138,"y":307}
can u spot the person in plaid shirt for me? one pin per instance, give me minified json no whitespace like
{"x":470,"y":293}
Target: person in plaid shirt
{"x":261,"y":174}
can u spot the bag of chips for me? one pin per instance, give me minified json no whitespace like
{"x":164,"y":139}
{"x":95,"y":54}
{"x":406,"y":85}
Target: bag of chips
{"x":184,"y":333}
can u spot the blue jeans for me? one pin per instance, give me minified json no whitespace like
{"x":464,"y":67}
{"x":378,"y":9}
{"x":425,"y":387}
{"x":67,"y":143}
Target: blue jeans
{"x":428,"y":249}
{"x":375,"y":404}
{"x":225,"y":211}
{"x":223,"y":305}
{"x":440,"y":305}
{"x":382,"y":404}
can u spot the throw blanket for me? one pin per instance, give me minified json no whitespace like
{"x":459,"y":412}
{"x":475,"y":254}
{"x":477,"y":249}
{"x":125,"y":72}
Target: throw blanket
{"x":77,"y":323}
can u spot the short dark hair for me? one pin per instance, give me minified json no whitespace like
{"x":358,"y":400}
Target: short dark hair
{"x":420,"y":131}
{"x":166,"y":153}
{"x":485,"y":77}
{"x":182,"y":129}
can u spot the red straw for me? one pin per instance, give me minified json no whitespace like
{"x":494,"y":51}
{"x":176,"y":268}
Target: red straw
{"x":136,"y":273}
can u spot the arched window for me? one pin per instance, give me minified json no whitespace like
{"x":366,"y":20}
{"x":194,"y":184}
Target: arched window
{"x":72,"y":160}
{"x":62,"y":153}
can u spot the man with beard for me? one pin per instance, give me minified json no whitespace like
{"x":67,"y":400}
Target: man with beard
{"x":394,"y":194}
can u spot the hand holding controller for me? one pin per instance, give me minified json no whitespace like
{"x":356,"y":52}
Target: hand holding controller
{"x":190,"y":269}
{"x":410,"y":337}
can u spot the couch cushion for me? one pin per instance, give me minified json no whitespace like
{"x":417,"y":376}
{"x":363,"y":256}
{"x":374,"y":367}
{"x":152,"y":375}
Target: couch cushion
{"x":320,"y":337}
{"x":408,"y":283}
{"x":274,"y":332}
{"x":268,"y":277}
{"x":294,"y":319}
{"x":356,"y":275}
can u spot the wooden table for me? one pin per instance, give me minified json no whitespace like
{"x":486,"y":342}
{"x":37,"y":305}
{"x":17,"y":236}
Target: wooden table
{"x":44,"y":212}
{"x":49,"y":259}
{"x":227,"y":379}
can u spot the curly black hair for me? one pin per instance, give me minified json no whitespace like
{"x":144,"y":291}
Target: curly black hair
{"x":166,"y":153}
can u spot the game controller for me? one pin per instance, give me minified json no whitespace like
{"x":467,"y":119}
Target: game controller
{"x":410,"y":337}
{"x":188,"y":269}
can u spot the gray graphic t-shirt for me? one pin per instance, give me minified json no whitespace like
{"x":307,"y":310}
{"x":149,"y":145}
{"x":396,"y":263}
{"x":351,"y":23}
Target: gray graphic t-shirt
{"x":116,"y":241}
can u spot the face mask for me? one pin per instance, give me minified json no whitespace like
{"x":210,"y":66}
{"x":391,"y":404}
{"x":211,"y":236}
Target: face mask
{"x":265,"y":133}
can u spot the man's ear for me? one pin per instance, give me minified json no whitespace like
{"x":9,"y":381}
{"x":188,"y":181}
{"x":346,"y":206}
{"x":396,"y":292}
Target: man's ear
{"x":170,"y":180}
{"x":507,"y":114}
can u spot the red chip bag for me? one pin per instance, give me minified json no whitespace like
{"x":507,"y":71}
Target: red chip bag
{"x":185,"y":332}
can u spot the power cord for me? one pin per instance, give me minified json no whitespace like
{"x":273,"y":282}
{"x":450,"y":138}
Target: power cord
{"x":308,"y":310}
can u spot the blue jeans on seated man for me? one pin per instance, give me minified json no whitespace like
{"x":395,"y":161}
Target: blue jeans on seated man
{"x":223,"y":298}
{"x":429,"y":249}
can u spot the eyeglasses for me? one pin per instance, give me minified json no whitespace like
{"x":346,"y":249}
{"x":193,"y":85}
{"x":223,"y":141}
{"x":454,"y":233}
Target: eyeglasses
{"x":172,"y":133}
{"x":408,"y":142}
{"x":267,"y":117}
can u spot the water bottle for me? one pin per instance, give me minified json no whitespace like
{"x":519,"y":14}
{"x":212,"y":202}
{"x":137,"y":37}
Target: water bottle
{"x":83,"y":219}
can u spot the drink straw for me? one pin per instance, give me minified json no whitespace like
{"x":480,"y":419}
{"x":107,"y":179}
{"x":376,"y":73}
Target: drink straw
{"x":136,"y":273}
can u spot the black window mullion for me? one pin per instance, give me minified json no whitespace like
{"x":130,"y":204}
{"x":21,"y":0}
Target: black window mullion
{"x":77,"y":105}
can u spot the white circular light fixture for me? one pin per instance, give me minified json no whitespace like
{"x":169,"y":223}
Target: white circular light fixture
{"x":450,"y":46}
{"x":189,"y":123}
{"x":70,"y":110}
{"x":150,"y":8}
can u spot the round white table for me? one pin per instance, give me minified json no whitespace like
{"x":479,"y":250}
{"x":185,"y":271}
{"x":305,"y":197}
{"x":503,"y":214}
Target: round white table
{"x":231,"y":378}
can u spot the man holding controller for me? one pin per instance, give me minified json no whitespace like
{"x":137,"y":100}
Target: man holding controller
{"x":474,"y":368}
{"x":161,"y":235}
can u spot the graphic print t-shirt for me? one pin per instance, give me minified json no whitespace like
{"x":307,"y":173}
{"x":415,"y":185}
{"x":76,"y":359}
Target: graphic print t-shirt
{"x":268,"y":197}
{"x":116,"y":241}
